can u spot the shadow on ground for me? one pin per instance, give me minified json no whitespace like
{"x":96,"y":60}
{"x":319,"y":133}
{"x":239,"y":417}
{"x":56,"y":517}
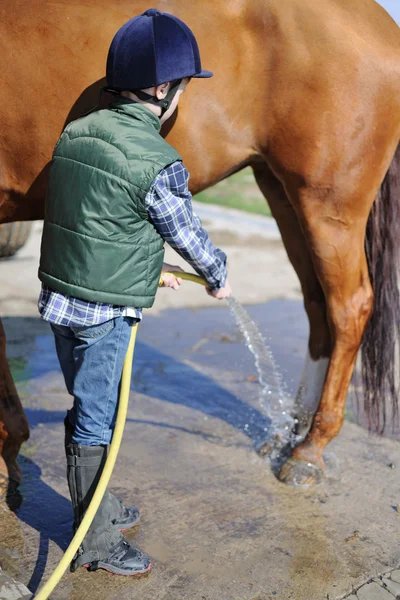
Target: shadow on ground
{"x":215,"y":521}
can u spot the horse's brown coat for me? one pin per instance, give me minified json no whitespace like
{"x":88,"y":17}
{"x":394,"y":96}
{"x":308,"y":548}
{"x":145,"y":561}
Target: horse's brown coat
{"x":306,"y":92}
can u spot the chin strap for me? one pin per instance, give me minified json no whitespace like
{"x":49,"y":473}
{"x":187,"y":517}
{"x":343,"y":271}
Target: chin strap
{"x":164,"y":103}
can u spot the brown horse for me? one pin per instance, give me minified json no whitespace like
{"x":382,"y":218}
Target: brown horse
{"x":308,"y":95}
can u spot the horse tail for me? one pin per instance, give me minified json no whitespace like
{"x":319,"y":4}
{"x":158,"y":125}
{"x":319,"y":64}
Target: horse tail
{"x":381,"y":339}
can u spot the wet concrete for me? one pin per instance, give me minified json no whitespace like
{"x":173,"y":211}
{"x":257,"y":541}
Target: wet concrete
{"x":216,"y":522}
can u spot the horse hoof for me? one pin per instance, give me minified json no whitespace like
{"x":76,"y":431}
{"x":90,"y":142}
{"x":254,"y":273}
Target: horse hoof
{"x":273,"y":445}
{"x":301,"y":473}
{"x":265,"y":448}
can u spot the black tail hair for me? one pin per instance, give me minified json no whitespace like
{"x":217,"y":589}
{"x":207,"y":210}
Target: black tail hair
{"x":382,"y":336}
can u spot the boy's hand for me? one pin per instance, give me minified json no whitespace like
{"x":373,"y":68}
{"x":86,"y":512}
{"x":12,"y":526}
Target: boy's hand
{"x":220,"y":293}
{"x":169,"y":280}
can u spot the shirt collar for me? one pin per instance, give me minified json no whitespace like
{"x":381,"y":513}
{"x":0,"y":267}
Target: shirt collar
{"x":136,"y":110}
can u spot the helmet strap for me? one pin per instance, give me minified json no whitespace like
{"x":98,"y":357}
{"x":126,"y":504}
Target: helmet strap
{"x":164,"y":103}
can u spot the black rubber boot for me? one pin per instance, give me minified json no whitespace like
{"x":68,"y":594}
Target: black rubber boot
{"x":122,"y":517}
{"x":104,"y":547}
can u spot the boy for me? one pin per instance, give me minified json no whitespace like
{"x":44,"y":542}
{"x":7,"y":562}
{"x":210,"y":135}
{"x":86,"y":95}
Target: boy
{"x":116,"y":192}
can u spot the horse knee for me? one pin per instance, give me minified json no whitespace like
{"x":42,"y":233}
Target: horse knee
{"x":13,"y":432}
{"x":15,"y":422}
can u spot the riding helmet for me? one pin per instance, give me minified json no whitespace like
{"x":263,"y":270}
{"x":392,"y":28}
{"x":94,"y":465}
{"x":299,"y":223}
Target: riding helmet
{"x":151,"y":49}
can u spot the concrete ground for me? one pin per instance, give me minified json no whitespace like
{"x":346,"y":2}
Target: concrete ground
{"x":216,"y":522}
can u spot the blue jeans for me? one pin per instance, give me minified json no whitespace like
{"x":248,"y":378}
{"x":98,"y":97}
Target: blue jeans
{"x":91,"y":360}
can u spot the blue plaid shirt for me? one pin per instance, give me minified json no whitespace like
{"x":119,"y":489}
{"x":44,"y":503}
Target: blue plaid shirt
{"x":170,"y":210}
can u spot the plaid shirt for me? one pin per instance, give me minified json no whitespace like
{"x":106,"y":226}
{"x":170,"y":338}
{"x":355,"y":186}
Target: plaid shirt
{"x":170,"y":210}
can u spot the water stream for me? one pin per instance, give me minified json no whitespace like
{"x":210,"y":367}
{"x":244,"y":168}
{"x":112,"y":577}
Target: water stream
{"x":274,"y":399}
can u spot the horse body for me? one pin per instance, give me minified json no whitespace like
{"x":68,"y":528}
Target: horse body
{"x":280,"y":67}
{"x":308,"y":94}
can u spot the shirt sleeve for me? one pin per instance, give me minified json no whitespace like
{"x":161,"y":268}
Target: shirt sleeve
{"x":169,"y":204}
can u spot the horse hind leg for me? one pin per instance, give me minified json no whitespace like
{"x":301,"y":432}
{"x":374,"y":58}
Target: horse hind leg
{"x":319,"y":343}
{"x":335,"y":232}
{"x":14,"y":429}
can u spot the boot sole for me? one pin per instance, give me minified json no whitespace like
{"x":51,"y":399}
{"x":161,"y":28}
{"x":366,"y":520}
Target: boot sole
{"x":117,"y":571}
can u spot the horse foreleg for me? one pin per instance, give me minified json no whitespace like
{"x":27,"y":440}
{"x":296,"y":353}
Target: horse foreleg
{"x":14,"y":427}
{"x":336,"y":243}
{"x":319,"y":343}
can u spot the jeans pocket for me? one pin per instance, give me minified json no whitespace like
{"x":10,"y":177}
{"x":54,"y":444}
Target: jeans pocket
{"x":93,"y":331}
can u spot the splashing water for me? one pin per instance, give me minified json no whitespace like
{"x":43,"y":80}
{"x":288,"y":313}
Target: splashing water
{"x":274,"y":398}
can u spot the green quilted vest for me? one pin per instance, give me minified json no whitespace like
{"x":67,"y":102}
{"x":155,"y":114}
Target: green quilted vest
{"x":98,"y":243}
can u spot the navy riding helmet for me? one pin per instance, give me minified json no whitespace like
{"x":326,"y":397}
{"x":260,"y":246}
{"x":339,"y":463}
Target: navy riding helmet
{"x":151,"y":49}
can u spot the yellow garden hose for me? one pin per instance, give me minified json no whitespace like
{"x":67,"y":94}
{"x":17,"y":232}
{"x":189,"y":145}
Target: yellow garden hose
{"x":186,"y":276}
{"x":83,"y":528}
